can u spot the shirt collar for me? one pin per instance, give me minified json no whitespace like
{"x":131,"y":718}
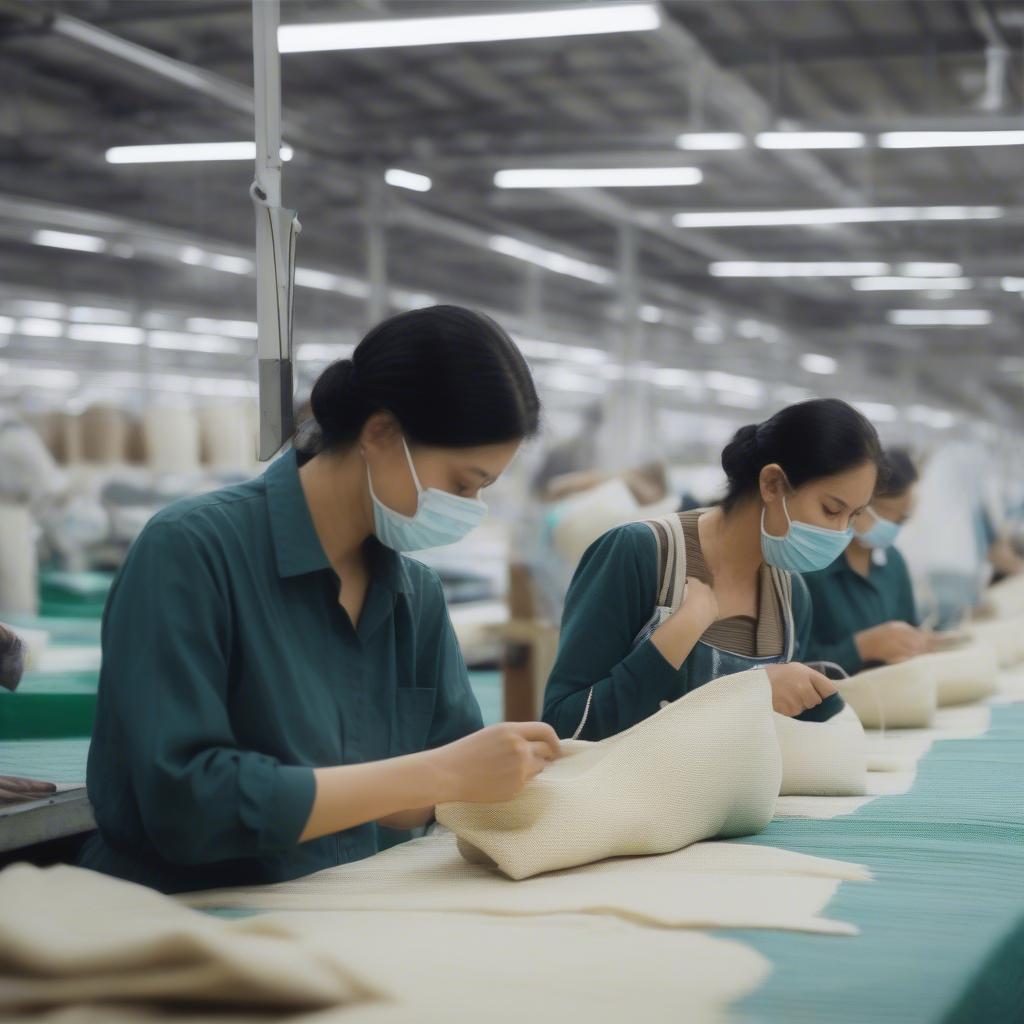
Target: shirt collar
{"x":297,"y":546}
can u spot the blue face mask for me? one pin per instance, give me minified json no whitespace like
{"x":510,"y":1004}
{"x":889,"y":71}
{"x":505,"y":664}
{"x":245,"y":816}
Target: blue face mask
{"x":803,"y":548}
{"x":440,"y":518}
{"x":882,"y":534}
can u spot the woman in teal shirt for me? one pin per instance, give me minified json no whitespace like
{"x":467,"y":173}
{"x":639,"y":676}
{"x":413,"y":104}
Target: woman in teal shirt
{"x":278,"y":681}
{"x":795,"y":484}
{"x":864,"y":611}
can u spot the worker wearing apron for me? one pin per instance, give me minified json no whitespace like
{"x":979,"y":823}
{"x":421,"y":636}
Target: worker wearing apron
{"x":279,"y":684}
{"x":795,"y":484}
{"x":864,"y":609}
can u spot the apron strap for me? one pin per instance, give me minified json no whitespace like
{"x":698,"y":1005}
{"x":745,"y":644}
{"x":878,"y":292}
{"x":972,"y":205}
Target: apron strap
{"x":671,"y":544}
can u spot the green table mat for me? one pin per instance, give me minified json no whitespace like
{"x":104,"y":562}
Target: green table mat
{"x":49,"y":707}
{"x":942,"y":925}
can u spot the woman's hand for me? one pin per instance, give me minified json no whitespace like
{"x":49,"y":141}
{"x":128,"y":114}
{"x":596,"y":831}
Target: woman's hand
{"x":701,"y":601}
{"x":495,"y":763}
{"x":796,"y":688}
{"x":892,"y":642}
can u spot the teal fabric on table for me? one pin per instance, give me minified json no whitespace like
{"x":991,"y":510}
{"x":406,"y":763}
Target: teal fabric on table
{"x":49,"y":705}
{"x":47,"y":760}
{"x":942,"y":925}
{"x":63,"y":632}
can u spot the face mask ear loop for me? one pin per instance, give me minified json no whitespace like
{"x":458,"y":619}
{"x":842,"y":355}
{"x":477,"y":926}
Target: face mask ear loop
{"x":412,"y":466}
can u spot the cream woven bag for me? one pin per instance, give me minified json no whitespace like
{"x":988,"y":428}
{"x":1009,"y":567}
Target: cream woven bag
{"x":706,"y":765}
{"x":902,"y":696}
{"x":1005,"y":635}
{"x":964,"y":674}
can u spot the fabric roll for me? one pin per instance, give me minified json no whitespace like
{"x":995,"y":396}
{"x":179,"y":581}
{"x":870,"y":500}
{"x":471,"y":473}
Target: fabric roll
{"x":706,"y":765}
{"x":823,"y":758}
{"x":1006,"y":598}
{"x":172,"y":440}
{"x":70,"y":936}
{"x":69,"y":439}
{"x":902,"y":696}
{"x":228,"y":437}
{"x":19,"y":587}
{"x":104,"y":435}
{"x":964,"y":674}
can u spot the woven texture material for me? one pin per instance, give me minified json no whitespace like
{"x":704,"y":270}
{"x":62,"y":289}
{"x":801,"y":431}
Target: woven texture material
{"x":707,"y":885}
{"x":964,"y":674}
{"x":893,"y":697}
{"x":1005,"y":635}
{"x":1006,"y":598}
{"x":706,"y":765}
{"x":72,"y":936}
{"x":823,"y":758}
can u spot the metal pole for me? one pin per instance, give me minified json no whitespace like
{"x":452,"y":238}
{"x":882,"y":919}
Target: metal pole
{"x":376,"y":249}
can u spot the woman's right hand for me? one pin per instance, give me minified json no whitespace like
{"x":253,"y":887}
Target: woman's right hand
{"x":797,"y":688}
{"x":700,"y":600}
{"x":495,"y":763}
{"x":891,"y":642}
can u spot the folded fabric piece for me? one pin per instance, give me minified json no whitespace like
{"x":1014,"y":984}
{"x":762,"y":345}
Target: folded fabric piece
{"x":707,"y":885}
{"x":1010,"y":687}
{"x":706,"y":765}
{"x":963,"y":674}
{"x":468,"y":969}
{"x":1005,"y":635}
{"x":73,"y":936}
{"x":823,"y":758}
{"x":1006,"y":598}
{"x":902,"y":696}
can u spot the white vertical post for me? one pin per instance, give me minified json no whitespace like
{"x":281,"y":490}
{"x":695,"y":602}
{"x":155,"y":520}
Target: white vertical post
{"x":376,"y":248}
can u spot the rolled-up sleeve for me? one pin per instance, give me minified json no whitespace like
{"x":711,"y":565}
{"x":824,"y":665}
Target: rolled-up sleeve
{"x":167,"y":637}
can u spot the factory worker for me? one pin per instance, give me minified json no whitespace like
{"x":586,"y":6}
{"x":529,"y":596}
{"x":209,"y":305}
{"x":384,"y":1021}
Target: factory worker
{"x":278,"y":681}
{"x":864,"y":611}
{"x":796,"y":483}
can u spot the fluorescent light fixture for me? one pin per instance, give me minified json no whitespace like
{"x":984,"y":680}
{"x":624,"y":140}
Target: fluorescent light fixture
{"x":753,"y":268}
{"x":833,"y":215}
{"x":937,"y":419}
{"x":809,"y":140}
{"x":322,"y":280}
{"x":708,"y":332}
{"x":925,"y":269}
{"x":748,"y":329}
{"x":718,"y":380}
{"x":401,"y":299}
{"x":407,"y":179}
{"x":949,"y":139}
{"x":37,"y":376}
{"x":6,"y":324}
{"x":113,"y":334}
{"x":879,"y":412}
{"x":652,"y":314}
{"x":711,"y":141}
{"x":231,"y":328}
{"x":674,"y":377}
{"x":739,"y":400}
{"x":99,"y":315}
{"x":912,"y":284}
{"x":188,"y":152}
{"x":812,"y":362}
{"x":470,"y":28}
{"x":598,"y":177}
{"x":561,"y":378}
{"x":1012,"y":284}
{"x":197,"y":257}
{"x":37,"y":327}
{"x":534,"y":348}
{"x":556,"y":262}
{"x":35,"y":307}
{"x":939,"y":317}
{"x":183,"y":342}
{"x":69,"y":240}
{"x":316,"y":352}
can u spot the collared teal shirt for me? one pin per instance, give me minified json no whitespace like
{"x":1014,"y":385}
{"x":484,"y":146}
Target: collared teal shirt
{"x":230,"y":671}
{"x":845,"y":603}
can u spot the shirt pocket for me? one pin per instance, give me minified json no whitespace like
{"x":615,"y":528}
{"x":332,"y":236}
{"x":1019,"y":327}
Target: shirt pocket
{"x":414,"y":711}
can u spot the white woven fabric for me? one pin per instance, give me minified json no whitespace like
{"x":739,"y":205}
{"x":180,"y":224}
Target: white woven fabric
{"x":1005,"y":635}
{"x":19,"y":585}
{"x":171,"y":437}
{"x":706,"y":765}
{"x":902,"y":696}
{"x":73,"y":936}
{"x":963,"y":674}
{"x":471,"y":969}
{"x":1006,"y":598}
{"x":823,"y":758}
{"x":707,"y":885}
